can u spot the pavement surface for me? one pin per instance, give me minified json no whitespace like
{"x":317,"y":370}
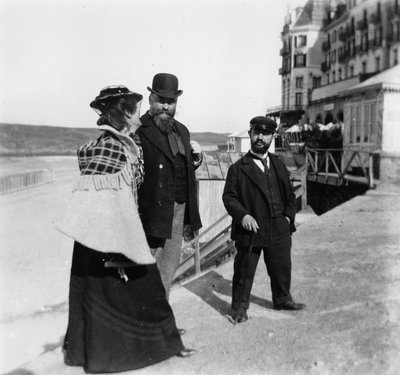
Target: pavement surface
{"x":346,"y":268}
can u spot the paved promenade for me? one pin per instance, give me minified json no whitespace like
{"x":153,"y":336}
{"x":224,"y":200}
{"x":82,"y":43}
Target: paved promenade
{"x":346,"y":268}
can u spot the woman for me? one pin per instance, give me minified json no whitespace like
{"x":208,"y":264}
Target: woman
{"x":119,"y":318}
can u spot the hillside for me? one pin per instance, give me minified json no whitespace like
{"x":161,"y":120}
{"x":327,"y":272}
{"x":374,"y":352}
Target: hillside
{"x":17,"y":139}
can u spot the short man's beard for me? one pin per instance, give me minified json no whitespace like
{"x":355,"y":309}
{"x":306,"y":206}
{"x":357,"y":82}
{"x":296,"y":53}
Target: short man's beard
{"x":259,"y":147}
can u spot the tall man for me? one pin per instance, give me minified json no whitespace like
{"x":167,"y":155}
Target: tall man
{"x":259,"y":197}
{"x":168,"y":196}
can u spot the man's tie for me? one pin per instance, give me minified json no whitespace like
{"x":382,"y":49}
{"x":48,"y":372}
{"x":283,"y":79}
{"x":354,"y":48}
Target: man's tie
{"x":264,"y":161}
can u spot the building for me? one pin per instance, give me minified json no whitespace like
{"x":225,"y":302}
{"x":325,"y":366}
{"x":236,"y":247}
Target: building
{"x":343,"y":67}
{"x":239,"y":141}
{"x":329,"y":46}
{"x":302,"y":38}
{"x":360,"y":39}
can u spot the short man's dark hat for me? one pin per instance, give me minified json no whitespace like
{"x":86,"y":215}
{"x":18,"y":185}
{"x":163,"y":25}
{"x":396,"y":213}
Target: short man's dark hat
{"x":165,"y":85}
{"x":109,"y":92}
{"x":263,"y":123}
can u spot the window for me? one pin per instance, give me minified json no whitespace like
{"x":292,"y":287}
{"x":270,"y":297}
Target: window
{"x":300,"y":60}
{"x":327,"y":79}
{"x":299,"y":82}
{"x":339,"y":74}
{"x":377,"y":63}
{"x":364,"y":67}
{"x":316,"y":82}
{"x":363,"y":123}
{"x":395,"y":57}
{"x":299,"y":99}
{"x":351,"y":71}
{"x":300,"y":41}
{"x":334,"y":36}
{"x":334,"y":57}
{"x":303,"y":40}
{"x":333,"y":77}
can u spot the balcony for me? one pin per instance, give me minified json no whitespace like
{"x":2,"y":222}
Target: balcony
{"x":362,"y":25}
{"x":375,"y":18}
{"x":284,"y":51}
{"x":283,"y":71}
{"x":326,"y":46}
{"x":342,"y":58}
{"x":294,"y":108}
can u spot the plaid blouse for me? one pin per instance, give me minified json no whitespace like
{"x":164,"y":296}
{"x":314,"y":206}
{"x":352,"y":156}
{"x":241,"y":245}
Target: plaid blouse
{"x":106,"y":155}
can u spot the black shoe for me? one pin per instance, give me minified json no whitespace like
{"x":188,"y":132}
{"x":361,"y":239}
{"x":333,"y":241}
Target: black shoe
{"x":181,"y":331}
{"x":290,"y":305}
{"x":186,"y":352}
{"x":240,"y":316}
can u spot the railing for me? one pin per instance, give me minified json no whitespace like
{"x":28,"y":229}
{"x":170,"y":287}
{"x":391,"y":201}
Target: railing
{"x":337,"y":165}
{"x":20,"y":181}
{"x":221,"y":243}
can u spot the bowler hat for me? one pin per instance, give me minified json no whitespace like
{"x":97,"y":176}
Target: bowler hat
{"x":263,"y":123}
{"x":109,"y":92}
{"x":165,"y":85}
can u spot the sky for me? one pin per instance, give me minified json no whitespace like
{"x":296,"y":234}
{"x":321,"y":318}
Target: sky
{"x":55,"y":57}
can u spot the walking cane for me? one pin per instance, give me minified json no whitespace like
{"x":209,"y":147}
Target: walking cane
{"x":244,"y":270}
{"x":246,"y":265}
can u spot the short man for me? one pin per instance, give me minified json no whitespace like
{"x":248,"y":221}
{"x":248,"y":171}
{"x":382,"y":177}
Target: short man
{"x":259,"y":197}
{"x":168,"y":196}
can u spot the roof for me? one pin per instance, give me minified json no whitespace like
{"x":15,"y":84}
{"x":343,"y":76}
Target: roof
{"x":389,"y":79}
{"x":311,"y":14}
{"x":241,"y":134}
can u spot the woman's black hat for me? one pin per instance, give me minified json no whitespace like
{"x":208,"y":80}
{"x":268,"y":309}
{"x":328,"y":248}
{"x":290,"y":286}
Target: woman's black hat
{"x":113,"y":92}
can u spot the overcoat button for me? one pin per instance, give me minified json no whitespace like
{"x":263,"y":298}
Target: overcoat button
{"x":160,"y":166}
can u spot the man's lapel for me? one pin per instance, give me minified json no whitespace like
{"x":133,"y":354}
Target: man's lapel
{"x":254,"y":173}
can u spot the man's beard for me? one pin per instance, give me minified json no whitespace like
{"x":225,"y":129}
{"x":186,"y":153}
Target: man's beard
{"x":260,"y":147}
{"x":164,"y":122}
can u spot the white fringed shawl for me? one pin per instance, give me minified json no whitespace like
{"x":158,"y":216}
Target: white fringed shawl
{"x":102,"y":212}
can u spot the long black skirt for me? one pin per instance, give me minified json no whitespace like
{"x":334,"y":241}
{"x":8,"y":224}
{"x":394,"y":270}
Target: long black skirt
{"x":116,"y":325}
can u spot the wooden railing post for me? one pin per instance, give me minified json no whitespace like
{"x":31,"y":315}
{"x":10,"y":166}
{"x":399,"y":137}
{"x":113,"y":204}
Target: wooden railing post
{"x":197,"y":256}
{"x":303,"y":178}
{"x":371,"y":170}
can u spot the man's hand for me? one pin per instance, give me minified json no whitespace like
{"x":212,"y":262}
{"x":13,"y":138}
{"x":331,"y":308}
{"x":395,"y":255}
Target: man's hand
{"x":249,"y":223}
{"x":196,"y":149}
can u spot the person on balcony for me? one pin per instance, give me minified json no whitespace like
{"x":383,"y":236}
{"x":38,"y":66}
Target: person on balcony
{"x":260,"y":198}
{"x":119,"y":317}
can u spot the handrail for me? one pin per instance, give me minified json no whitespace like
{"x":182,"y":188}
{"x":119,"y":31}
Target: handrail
{"x":200,"y":252}
{"x":347,"y":159}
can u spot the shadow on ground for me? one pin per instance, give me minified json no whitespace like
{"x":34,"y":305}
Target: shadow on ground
{"x":212,"y":284}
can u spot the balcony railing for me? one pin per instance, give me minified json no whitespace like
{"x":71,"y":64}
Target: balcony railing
{"x":284,"y":51}
{"x":362,"y":25}
{"x":325,"y":67}
{"x":375,"y":18}
{"x":284,"y":71}
{"x":295,"y":107}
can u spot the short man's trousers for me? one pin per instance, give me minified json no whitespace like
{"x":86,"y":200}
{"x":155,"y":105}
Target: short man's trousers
{"x":168,"y":257}
{"x":278,"y":264}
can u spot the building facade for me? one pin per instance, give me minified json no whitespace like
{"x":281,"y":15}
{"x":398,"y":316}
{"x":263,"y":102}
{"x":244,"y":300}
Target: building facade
{"x":329,"y":46}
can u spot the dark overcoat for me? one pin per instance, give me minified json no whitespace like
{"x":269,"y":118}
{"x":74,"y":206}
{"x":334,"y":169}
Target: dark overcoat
{"x":157,"y":192}
{"x":245,"y":193}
